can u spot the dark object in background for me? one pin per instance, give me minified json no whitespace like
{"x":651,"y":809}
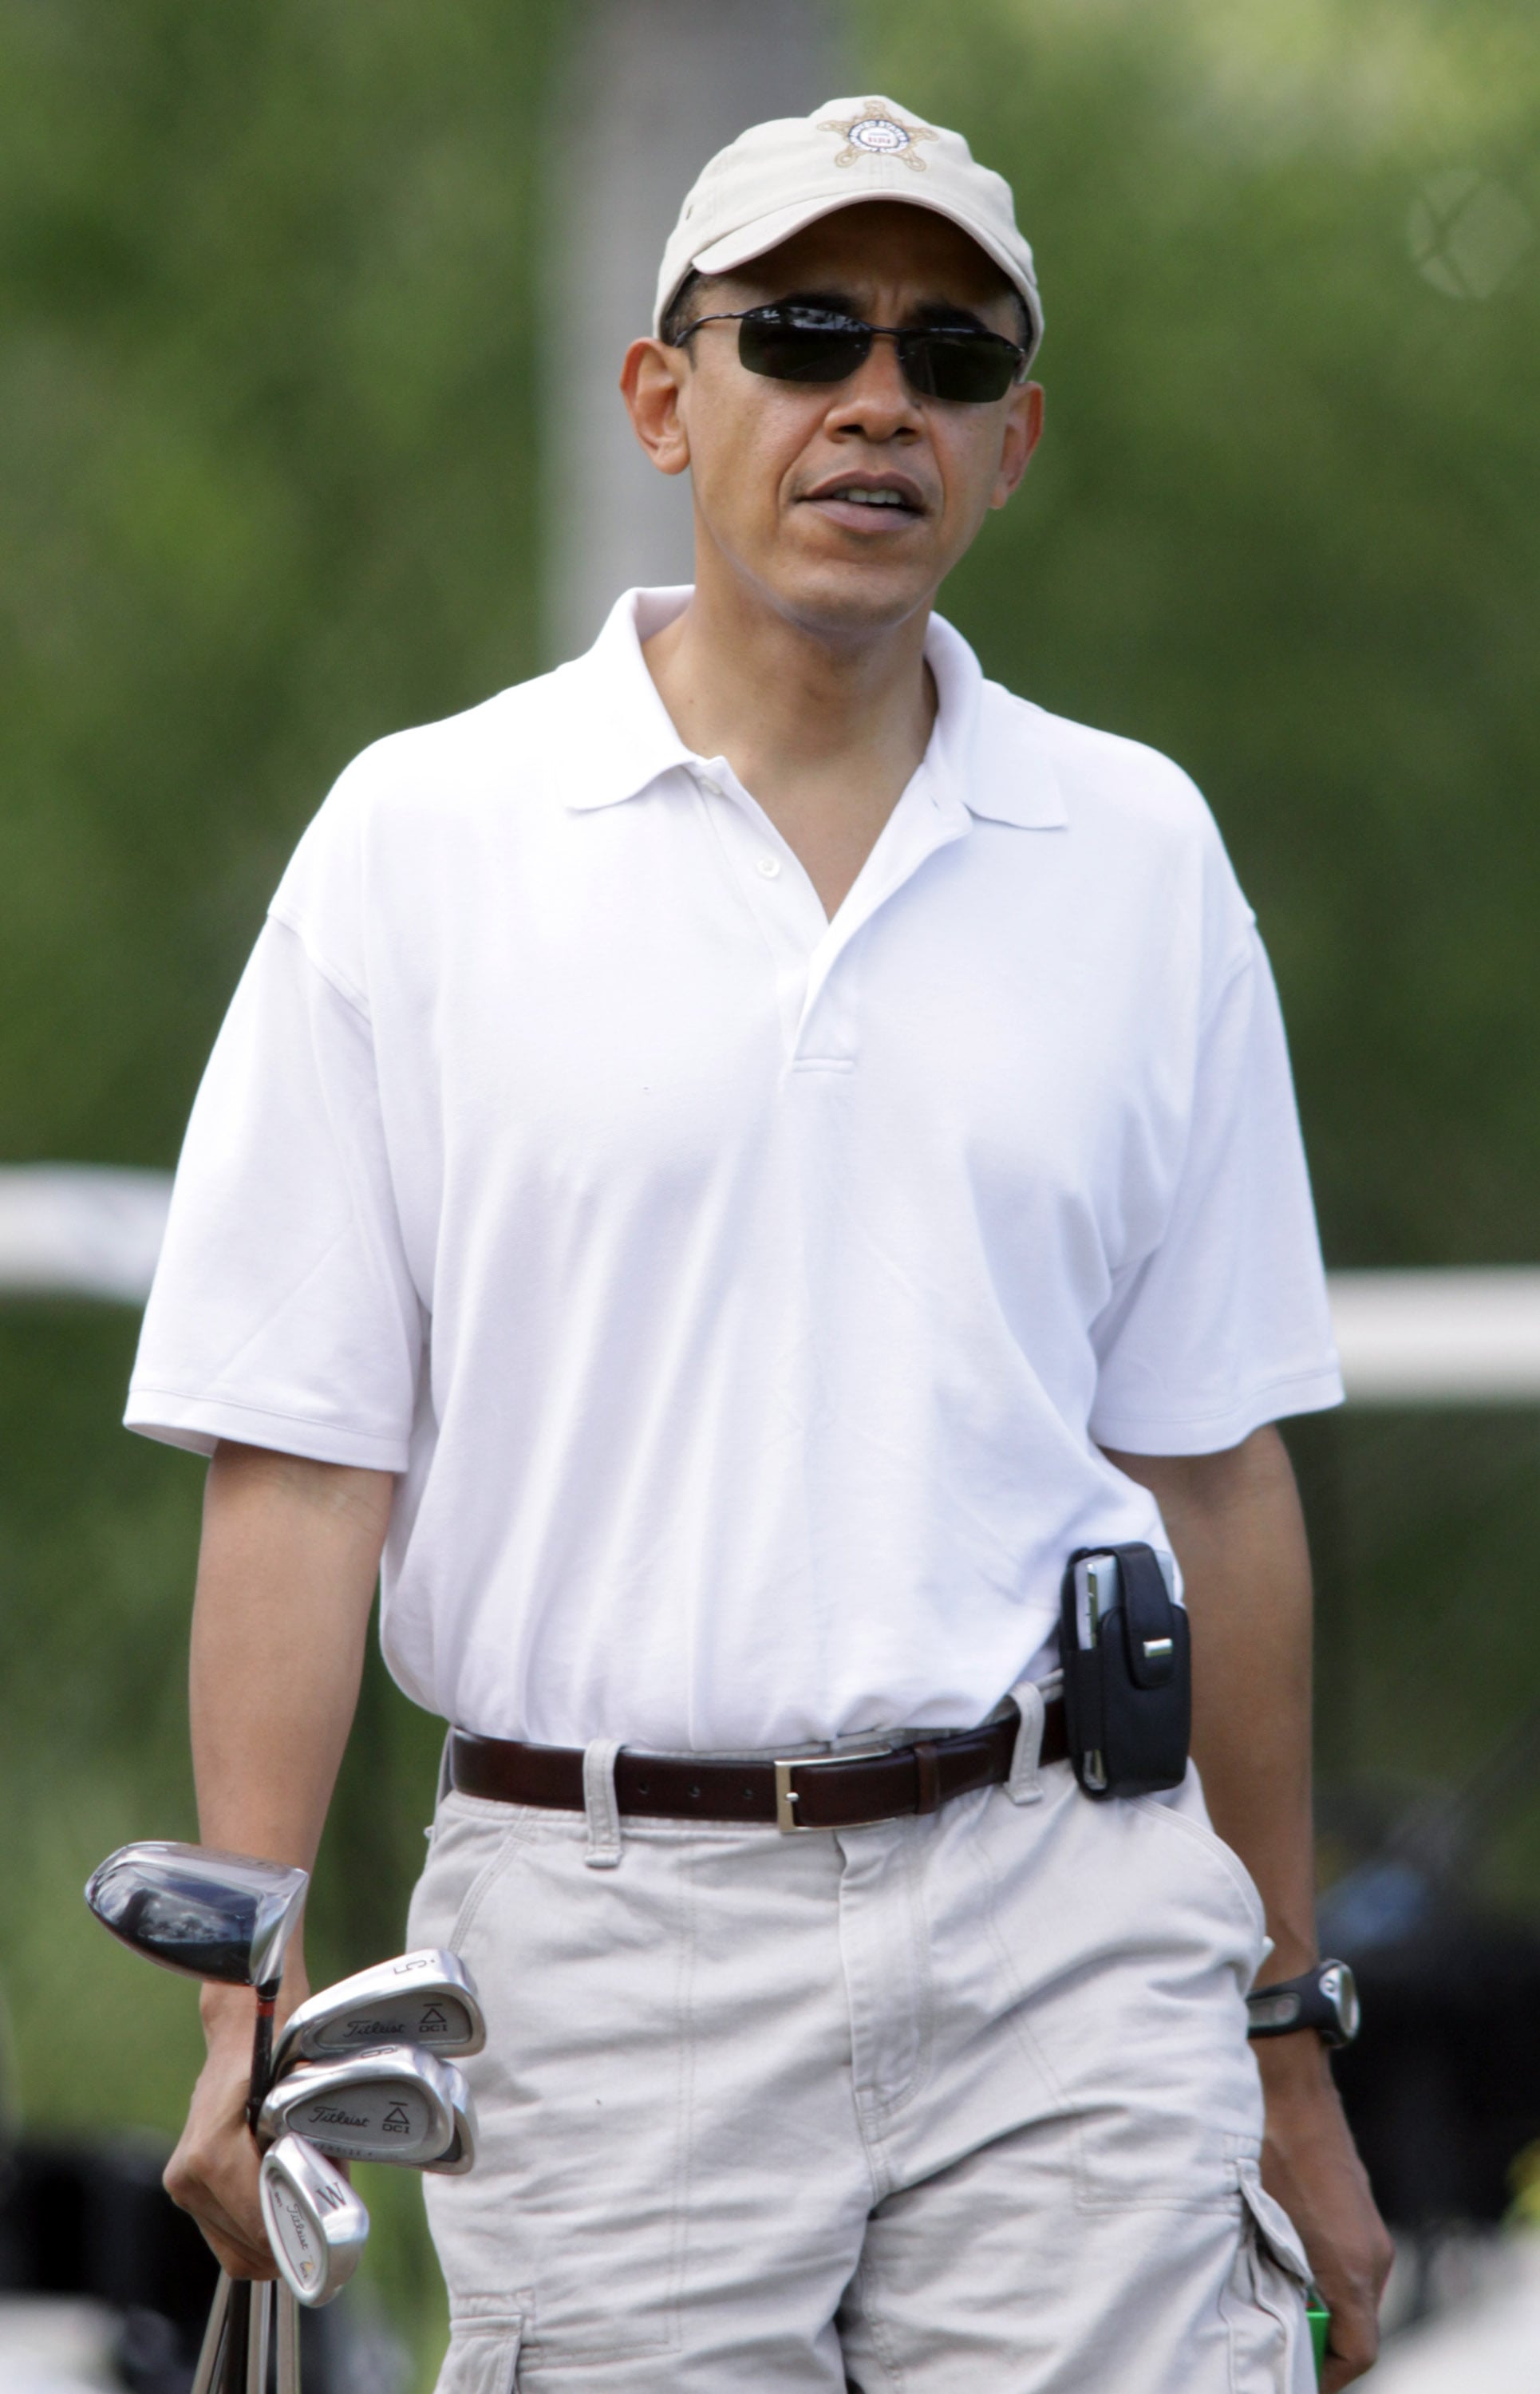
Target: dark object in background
{"x":1442,"y":2088}
{"x":95,"y":2220}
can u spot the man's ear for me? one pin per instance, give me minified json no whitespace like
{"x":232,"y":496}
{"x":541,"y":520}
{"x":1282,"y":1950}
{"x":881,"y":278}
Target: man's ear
{"x":1023,"y":431}
{"x":651,"y":382}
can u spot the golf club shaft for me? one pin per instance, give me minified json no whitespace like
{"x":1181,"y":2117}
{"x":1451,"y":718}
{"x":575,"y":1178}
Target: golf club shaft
{"x":257,"y":2337}
{"x":245,"y":2366}
{"x":219,"y":2313}
{"x":261,"y":2051}
{"x":288,"y":2341}
{"x":232,"y":2375}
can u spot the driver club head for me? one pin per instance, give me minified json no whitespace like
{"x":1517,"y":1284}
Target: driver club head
{"x":393,"y":2104}
{"x":425,"y":1999}
{"x":316,"y":2224}
{"x":207,"y":1914}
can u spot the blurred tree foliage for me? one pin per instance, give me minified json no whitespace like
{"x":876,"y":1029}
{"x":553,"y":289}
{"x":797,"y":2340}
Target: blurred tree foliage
{"x":267,"y":273}
{"x":269,"y":487}
{"x":1285,"y":520}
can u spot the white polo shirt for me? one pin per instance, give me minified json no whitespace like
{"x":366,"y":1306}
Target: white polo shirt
{"x":745,"y":1298}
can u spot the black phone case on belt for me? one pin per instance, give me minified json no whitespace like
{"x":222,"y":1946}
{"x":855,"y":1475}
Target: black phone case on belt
{"x":1129,"y":1698}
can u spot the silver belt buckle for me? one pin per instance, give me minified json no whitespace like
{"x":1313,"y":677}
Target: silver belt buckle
{"x":786,"y":1795}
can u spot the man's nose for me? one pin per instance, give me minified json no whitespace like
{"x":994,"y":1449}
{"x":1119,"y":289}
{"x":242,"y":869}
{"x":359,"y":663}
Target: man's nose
{"x":875,"y":400}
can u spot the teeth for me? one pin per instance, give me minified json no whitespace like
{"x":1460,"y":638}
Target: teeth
{"x":871,"y":498}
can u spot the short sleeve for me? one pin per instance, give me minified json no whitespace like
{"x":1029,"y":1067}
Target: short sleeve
{"x":282,"y":1312}
{"x":1224,"y":1325}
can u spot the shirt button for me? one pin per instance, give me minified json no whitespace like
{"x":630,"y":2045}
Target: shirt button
{"x":712,"y":789}
{"x":769,"y":866}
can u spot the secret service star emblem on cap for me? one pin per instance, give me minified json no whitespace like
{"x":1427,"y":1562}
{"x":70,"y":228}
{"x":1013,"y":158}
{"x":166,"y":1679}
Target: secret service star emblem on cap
{"x":881,"y":133}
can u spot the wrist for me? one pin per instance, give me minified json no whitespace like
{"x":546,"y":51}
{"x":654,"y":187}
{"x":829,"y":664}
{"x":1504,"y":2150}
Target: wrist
{"x":220,"y":2007}
{"x":1294,"y":2070}
{"x":1295,"y":1951}
{"x":218,"y":2002}
{"x":228,"y":2016}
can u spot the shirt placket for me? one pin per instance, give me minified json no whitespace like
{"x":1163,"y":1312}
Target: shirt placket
{"x":817,"y":990}
{"x":775,"y":887}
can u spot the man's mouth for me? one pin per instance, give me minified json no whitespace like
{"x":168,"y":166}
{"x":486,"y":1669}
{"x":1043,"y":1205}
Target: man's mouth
{"x":891,"y":496}
{"x":857,"y":497}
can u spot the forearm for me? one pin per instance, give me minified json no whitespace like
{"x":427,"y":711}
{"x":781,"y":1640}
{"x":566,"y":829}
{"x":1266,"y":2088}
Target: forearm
{"x":285,"y":1579}
{"x":287,"y":1575}
{"x":1235,"y":1523}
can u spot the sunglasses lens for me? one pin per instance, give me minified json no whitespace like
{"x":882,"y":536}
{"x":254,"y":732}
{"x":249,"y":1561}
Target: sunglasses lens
{"x":805,"y":344}
{"x":969,"y":367}
{"x":798,"y":349}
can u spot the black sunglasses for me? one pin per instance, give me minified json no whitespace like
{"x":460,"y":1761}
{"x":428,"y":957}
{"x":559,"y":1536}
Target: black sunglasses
{"x":789,"y":343}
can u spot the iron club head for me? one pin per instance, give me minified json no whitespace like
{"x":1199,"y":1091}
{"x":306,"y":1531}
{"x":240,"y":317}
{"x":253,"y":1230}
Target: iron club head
{"x":210,"y":1916}
{"x":393,"y":2104}
{"x":316,"y":2224}
{"x":425,"y":1999}
{"x":461,"y":2155}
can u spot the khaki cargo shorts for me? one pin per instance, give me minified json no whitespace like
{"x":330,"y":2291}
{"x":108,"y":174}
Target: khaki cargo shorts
{"x":956,"y":2105}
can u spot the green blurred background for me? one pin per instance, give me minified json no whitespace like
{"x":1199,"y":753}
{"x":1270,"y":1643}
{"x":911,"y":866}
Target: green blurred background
{"x":271,"y":483}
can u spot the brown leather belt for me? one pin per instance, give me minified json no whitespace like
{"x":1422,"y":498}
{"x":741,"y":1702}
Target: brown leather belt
{"x":848,"y":1791}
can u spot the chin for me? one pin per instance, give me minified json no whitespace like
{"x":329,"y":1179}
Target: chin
{"x":850,"y":601}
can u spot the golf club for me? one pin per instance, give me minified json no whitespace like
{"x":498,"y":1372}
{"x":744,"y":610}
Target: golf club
{"x":287,"y":2340}
{"x":214,"y":2336}
{"x":394,"y":2104}
{"x":315,"y":2222}
{"x":425,"y":1999}
{"x":258,"y":2330}
{"x":227,"y":1917}
{"x":461,"y":2155}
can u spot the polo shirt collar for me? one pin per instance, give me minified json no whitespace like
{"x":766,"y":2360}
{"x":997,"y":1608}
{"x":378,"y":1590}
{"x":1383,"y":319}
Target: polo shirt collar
{"x":627,"y":734}
{"x":988,"y":753}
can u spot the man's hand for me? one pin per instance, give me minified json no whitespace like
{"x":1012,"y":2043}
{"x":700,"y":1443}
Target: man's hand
{"x":1310,"y":2163}
{"x":213,"y":2172}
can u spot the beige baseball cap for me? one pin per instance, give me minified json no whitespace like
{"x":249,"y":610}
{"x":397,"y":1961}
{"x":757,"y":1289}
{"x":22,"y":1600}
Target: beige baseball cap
{"x":781,"y":176}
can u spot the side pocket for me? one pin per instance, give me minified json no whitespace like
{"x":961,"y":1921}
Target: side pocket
{"x":1185,"y":1812}
{"x":483,"y":2352}
{"x":471,"y":1844}
{"x":1269,"y":2337}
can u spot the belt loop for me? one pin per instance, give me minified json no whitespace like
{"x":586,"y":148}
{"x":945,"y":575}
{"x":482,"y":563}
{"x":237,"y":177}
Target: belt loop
{"x":599,"y":1805}
{"x":1024,"y":1784}
{"x":928,"y":1773}
{"x":446,"y":1785}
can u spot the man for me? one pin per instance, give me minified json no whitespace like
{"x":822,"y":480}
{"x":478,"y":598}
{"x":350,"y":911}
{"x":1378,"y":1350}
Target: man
{"x":729,"y":1166}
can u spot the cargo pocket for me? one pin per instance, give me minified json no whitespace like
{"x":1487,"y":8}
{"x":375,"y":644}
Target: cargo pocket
{"x":1269,"y":2337}
{"x":483,"y":2351}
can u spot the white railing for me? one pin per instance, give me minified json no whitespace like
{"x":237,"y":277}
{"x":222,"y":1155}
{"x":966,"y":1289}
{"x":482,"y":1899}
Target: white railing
{"x":1464,"y":1336}
{"x":80,"y":1229}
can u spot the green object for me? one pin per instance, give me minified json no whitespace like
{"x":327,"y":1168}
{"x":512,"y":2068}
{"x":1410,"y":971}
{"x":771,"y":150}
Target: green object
{"x":1320,"y":2319}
